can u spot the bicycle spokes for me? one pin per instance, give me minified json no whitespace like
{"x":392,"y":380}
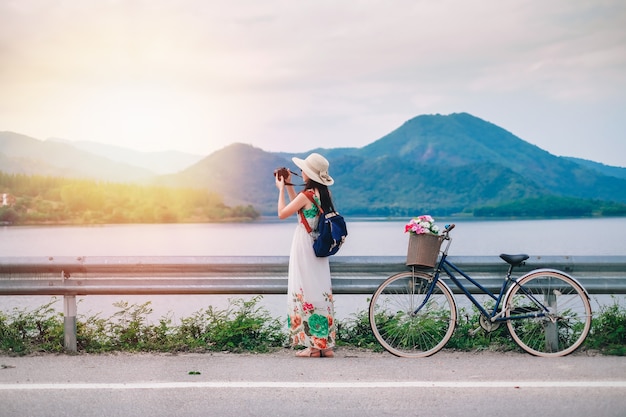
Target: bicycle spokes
{"x":548,"y":314}
{"x":411,"y":315}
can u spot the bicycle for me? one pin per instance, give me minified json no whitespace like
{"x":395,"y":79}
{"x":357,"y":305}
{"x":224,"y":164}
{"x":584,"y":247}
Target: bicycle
{"x":413,"y":314}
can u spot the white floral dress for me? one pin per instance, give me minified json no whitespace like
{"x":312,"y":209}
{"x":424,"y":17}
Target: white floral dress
{"x":311,"y":318}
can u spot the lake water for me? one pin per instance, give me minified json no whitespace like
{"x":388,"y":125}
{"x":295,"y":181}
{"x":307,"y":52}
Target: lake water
{"x":571,"y":237}
{"x":273,"y":238}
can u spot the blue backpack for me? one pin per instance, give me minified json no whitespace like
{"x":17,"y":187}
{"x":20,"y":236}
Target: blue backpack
{"x":332,"y":231}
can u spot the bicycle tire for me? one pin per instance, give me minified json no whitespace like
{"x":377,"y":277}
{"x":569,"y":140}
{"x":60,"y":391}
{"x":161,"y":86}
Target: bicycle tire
{"x":563,"y":329}
{"x":402,"y":330}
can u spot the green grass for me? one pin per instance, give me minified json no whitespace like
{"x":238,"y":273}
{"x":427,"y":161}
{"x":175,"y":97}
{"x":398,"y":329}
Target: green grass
{"x":608,"y":330}
{"x":245,"y":326}
{"x":24,"y":332}
{"x":469,"y":336}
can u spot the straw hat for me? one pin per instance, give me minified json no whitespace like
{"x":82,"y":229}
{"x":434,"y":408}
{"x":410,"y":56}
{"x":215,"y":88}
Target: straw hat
{"x":315,"y":166}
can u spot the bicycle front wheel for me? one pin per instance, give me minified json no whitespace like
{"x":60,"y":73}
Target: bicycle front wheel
{"x":548,"y":313}
{"x":411,"y":316}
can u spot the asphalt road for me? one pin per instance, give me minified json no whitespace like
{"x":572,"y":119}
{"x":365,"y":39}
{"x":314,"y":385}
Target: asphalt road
{"x":354,"y":383}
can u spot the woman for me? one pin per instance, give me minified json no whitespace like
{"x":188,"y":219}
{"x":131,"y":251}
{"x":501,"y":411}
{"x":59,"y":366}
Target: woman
{"x":311,"y":317}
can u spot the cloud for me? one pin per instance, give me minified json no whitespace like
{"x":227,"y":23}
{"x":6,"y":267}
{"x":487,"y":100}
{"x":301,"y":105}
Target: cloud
{"x":200,"y":74}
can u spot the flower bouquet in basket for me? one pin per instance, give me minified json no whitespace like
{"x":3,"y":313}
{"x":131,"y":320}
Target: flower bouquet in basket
{"x":424,"y":241}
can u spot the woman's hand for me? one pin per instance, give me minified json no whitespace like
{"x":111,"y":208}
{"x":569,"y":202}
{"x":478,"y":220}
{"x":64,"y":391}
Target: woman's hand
{"x":280,"y":183}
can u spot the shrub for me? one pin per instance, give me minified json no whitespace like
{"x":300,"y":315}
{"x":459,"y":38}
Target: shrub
{"x":244,"y":326}
{"x":24,"y":332}
{"x":355,"y":331}
{"x":608,"y":330}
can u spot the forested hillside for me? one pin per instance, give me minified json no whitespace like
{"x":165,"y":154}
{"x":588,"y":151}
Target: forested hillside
{"x":443,"y":165}
{"x":20,"y":154}
{"x":48,"y":200}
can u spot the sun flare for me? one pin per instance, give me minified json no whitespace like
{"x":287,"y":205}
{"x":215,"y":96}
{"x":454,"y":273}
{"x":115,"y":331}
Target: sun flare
{"x":143,"y":115}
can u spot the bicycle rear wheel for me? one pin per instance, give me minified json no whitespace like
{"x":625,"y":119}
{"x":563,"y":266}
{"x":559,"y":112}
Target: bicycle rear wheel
{"x":406,"y":320}
{"x":566,"y":323}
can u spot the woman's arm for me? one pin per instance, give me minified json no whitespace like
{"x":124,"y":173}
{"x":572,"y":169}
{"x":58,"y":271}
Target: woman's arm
{"x":291,"y":191}
{"x":297,"y":202}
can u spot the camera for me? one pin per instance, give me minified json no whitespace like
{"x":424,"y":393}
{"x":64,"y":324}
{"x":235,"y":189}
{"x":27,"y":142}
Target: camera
{"x":282,"y":172}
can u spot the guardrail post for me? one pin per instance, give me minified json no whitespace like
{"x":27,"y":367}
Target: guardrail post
{"x":69,"y":323}
{"x":552,"y":334}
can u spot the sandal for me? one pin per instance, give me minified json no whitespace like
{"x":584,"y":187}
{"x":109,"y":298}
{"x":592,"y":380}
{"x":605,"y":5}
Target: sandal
{"x":309,"y":353}
{"x":327,"y":353}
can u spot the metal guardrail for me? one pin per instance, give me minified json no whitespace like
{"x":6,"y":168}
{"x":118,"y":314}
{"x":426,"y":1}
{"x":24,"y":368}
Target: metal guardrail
{"x":77,"y":276}
{"x":262,"y":275}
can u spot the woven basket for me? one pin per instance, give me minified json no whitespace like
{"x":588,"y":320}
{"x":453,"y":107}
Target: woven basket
{"x":423,"y":250}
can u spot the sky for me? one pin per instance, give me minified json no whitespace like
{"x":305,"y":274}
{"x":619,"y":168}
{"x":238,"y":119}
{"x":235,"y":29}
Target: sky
{"x":293,"y":75}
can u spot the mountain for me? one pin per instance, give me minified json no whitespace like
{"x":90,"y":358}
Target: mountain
{"x":607,"y":170}
{"x":241,"y":173}
{"x":165,"y":162}
{"x":21,"y":154}
{"x":461,"y":140}
{"x":432,"y":163}
{"x":436,"y":164}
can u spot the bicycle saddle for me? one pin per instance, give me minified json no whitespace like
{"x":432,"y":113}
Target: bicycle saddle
{"x":514,"y":260}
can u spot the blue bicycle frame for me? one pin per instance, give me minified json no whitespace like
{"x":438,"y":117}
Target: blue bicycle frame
{"x":495,"y":315}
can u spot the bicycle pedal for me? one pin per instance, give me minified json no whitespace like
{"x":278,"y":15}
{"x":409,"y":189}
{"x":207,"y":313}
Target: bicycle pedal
{"x":473,"y":332}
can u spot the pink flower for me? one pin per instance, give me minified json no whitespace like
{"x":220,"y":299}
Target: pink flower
{"x":307,"y":307}
{"x":419,"y":229}
{"x":420,"y":225}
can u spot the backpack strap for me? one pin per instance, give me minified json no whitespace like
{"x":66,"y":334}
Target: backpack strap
{"x":304,"y":222}
{"x":309,"y":194}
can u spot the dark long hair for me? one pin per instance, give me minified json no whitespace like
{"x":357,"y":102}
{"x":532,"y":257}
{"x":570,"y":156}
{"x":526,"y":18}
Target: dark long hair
{"x":326,"y":199}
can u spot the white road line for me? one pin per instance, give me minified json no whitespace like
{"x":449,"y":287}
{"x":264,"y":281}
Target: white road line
{"x":319,"y":385}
